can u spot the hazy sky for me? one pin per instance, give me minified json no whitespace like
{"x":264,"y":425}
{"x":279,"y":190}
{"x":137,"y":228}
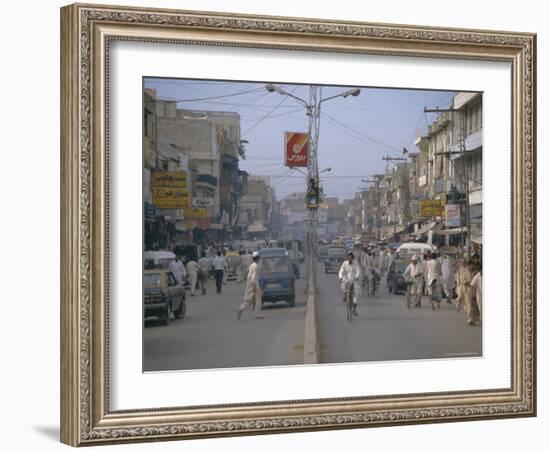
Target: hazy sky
{"x":355,"y":132}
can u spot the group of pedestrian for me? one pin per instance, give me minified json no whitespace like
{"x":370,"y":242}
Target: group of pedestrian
{"x":437,"y":276}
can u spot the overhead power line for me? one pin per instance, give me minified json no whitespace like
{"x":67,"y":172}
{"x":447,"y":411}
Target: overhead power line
{"x":181,"y":100}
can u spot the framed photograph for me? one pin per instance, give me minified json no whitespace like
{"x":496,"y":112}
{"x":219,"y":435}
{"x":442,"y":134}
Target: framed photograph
{"x":276,"y":224}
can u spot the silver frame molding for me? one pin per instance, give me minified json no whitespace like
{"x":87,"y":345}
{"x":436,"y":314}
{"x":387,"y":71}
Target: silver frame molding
{"x":86,"y":33}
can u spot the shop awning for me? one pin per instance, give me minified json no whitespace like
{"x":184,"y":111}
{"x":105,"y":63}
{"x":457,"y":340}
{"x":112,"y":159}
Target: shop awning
{"x":430,"y":226}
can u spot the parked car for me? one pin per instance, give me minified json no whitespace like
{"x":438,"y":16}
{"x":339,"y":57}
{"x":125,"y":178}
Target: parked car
{"x":162,"y":295}
{"x":277,"y":276}
{"x":336,"y":256}
{"x":396,"y":282}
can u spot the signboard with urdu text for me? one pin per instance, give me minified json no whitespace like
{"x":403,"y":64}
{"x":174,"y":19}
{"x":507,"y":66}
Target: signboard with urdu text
{"x":296,"y":149}
{"x":430,"y":208}
{"x":170,"y":190}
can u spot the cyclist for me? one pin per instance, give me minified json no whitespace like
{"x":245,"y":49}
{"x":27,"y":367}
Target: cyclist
{"x":413,"y":272}
{"x":433,"y":275}
{"x":351,"y":271}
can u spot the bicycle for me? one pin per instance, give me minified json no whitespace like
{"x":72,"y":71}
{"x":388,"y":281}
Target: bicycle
{"x":349,"y":299}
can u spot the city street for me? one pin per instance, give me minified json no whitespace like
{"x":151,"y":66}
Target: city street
{"x":210,"y":336}
{"x":386,"y":330}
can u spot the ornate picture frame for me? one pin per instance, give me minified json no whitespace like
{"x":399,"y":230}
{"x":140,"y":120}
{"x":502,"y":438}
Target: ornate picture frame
{"x":87,"y":32}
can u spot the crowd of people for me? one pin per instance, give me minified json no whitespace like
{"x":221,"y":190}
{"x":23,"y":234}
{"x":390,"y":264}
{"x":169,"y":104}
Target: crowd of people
{"x":434,"y":275}
{"x":213,"y":263}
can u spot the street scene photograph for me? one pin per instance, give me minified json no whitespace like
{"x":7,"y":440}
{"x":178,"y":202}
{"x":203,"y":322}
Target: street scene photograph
{"x":288,"y":224}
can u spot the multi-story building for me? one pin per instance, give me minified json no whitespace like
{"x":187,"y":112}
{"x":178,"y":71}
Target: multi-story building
{"x":205,"y":146}
{"x":257,"y":208}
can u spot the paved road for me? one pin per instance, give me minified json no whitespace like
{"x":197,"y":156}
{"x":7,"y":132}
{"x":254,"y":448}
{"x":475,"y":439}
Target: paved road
{"x":386,"y":330}
{"x":210,"y":336}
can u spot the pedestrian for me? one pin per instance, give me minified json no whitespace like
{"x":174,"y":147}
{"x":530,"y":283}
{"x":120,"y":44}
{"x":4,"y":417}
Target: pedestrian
{"x":193,"y":269}
{"x":413,"y":276}
{"x":433,"y":277}
{"x":178,"y":269}
{"x":205,"y":265}
{"x":252,"y":290}
{"x":448,"y":277}
{"x":477,"y":289}
{"x":464,"y":290}
{"x":219,"y":265}
{"x":384,"y":263}
{"x":424,"y":263}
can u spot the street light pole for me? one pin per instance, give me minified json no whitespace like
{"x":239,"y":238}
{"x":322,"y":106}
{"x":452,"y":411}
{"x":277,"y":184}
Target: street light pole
{"x":313,"y":111}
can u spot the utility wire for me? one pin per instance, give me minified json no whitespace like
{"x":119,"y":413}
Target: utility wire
{"x":357,"y":135}
{"x":181,"y":100}
{"x":267,"y":115}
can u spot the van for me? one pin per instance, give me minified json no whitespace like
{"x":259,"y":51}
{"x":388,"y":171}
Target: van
{"x":158,"y":259}
{"x":408,"y":250}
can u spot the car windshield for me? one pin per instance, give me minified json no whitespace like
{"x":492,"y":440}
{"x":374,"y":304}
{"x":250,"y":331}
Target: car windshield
{"x":152,"y":280}
{"x":277,"y":264}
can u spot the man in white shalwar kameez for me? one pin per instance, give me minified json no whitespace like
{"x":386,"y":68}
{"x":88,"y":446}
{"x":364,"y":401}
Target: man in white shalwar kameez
{"x":447,"y":277}
{"x":350,"y":271}
{"x":413,"y":276}
{"x":252,"y":290}
{"x":433,"y":275}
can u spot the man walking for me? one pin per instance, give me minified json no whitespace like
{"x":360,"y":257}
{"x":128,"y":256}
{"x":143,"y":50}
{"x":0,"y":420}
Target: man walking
{"x":447,"y":277}
{"x":433,"y":274}
{"x":178,"y":269}
{"x":477,"y":290}
{"x":413,"y":276}
{"x":193,"y":272}
{"x":205,"y":266}
{"x":252,"y":290}
{"x":219,"y":266}
{"x":464,"y":288}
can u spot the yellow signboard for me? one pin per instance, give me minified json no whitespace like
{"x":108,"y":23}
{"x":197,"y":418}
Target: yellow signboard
{"x":430,"y":208}
{"x":195,"y":213}
{"x":170,"y":190}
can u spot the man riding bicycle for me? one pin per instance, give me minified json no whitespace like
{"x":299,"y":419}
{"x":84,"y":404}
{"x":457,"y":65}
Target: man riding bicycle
{"x":350,"y":271}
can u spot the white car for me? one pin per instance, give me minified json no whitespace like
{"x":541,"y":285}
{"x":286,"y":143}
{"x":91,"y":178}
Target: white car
{"x":408,"y":250}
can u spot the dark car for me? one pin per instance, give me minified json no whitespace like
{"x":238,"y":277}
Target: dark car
{"x":336,"y":256}
{"x":396,"y":282}
{"x":277,"y":276}
{"x":162,"y":295}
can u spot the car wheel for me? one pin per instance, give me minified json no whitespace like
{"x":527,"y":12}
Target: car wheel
{"x":180,"y":312}
{"x":166,"y":317}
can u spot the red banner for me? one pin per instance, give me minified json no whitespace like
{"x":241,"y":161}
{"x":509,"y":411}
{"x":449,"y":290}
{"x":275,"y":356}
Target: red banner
{"x":296,"y":149}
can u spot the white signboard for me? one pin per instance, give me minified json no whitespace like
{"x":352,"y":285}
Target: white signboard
{"x":452,"y":216}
